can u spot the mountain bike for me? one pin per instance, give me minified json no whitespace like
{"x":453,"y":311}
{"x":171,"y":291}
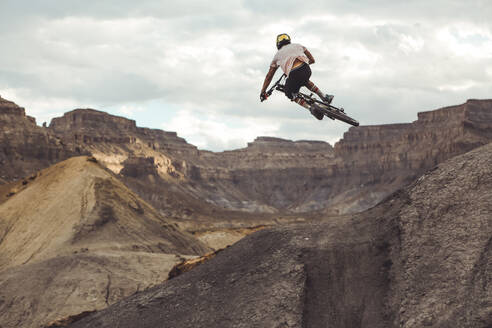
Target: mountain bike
{"x":328,"y":110}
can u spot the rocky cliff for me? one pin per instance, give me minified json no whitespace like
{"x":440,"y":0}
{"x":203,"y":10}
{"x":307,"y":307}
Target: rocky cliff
{"x":434,"y":137}
{"x":89,"y":127}
{"x":379,"y":159}
{"x":26,"y":147}
{"x":365,"y":166}
{"x":269,"y":175}
{"x":154,"y":161}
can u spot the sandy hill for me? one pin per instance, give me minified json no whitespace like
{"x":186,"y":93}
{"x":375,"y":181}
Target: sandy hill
{"x":420,"y":258}
{"x":74,"y":238}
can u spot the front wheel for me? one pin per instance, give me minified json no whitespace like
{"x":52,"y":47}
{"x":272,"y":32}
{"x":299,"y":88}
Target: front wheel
{"x":335,"y":113}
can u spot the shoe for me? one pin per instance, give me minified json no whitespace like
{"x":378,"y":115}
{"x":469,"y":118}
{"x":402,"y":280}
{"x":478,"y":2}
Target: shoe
{"x":328,"y":99}
{"x":316,"y":112}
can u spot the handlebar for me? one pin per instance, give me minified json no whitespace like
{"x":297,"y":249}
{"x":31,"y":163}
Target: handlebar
{"x":270,"y":91}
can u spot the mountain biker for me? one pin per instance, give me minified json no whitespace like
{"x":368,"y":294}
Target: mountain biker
{"x":294,"y":59}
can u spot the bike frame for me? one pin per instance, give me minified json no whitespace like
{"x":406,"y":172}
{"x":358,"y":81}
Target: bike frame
{"x":309,"y":99}
{"x":328,"y":109}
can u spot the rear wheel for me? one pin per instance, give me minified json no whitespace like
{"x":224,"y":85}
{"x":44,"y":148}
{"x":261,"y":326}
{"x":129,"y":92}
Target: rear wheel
{"x":335,"y":113}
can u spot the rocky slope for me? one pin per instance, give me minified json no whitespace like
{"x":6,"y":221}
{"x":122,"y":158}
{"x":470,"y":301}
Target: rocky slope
{"x":73,"y":238}
{"x":421,"y":258}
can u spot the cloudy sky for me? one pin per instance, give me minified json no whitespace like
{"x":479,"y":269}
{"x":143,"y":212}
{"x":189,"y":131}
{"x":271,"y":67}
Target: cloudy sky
{"x":196,"y":67}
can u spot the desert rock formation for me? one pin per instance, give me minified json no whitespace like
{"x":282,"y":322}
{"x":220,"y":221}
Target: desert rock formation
{"x":270,"y":175}
{"x":386,"y":157}
{"x":420,"y":258}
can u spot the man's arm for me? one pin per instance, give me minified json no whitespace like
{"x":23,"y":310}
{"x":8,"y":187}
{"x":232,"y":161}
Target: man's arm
{"x":268,"y":78}
{"x":309,"y":56}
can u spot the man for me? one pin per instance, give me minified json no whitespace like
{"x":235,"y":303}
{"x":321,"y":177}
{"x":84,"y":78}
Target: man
{"x":294,"y":59}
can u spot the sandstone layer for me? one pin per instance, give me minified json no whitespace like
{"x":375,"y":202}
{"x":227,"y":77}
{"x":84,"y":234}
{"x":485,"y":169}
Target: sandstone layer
{"x":73,"y":238}
{"x":420,"y":258}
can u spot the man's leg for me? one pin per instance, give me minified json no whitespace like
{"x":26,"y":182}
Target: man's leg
{"x":325,"y":97}
{"x":293,"y":83}
{"x":301,"y":102}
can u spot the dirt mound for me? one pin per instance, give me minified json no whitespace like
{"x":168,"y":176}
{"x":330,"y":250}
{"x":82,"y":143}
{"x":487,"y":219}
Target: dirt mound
{"x":73,"y":238}
{"x":420,"y":258}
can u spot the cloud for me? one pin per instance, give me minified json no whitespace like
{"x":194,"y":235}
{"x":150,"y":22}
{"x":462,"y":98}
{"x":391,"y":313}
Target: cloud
{"x":130,"y":111}
{"x":384,"y":60}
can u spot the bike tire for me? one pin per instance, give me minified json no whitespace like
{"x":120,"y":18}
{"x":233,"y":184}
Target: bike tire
{"x":335,"y":113}
{"x":330,"y":111}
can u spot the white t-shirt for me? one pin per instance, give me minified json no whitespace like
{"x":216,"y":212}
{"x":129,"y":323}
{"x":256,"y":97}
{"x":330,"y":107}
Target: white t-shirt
{"x":287,"y":55}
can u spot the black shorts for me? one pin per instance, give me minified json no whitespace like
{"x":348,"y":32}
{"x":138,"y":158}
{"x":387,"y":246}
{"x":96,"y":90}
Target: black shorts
{"x":298,"y":77}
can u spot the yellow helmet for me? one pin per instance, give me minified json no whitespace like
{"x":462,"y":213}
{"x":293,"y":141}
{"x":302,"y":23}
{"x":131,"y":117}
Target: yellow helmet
{"x":282,"y":40}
